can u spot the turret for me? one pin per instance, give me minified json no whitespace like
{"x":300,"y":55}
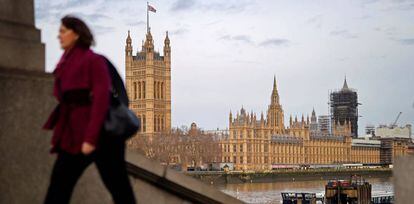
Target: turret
{"x":261,"y":118}
{"x":275,"y":94}
{"x":149,"y":43}
{"x":128,"y":46}
{"x":167,"y":48}
{"x":313,"y":116}
{"x":230,"y":118}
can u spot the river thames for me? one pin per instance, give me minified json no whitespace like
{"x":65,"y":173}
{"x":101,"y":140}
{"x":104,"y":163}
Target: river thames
{"x":270,"y":192}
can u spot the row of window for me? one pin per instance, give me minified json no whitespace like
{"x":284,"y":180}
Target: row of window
{"x":242,"y":160}
{"x":139,"y":90}
{"x":159,"y":123}
{"x":251,"y":133}
{"x":292,"y":160}
{"x":143,"y":123}
{"x":250,"y":148}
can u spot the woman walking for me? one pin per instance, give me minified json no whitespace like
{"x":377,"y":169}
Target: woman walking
{"x":82,"y":87}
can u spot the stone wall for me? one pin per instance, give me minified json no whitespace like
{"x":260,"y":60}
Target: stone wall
{"x":26,"y":101}
{"x":404,"y":179}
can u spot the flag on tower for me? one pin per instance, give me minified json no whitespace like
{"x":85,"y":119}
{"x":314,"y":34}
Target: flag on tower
{"x":150,"y":8}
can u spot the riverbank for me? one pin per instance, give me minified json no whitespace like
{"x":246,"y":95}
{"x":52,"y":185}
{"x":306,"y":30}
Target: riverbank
{"x":287,"y":175}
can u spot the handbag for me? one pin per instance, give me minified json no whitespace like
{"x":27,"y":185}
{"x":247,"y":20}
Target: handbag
{"x":120,"y":121}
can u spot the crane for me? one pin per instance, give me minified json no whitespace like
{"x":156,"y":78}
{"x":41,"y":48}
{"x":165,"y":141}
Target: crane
{"x":396,"y":119}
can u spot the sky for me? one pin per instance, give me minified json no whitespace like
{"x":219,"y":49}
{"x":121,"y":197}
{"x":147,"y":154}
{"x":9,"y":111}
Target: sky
{"x":225,"y":53}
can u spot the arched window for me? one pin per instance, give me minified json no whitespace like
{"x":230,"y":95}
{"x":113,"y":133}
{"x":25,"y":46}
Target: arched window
{"x":162,"y":123}
{"x":135,"y":90}
{"x":158,"y":89}
{"x":139,"y":90}
{"x":143,"y":89}
{"x":144,"y":125}
{"x":155,"y":93}
{"x":155,"y":121}
{"x":162,"y":90}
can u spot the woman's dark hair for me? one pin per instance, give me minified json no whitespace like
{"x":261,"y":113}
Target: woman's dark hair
{"x":79,"y":27}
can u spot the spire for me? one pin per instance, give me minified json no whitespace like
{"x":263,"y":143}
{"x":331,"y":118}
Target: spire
{"x":167,"y":48}
{"x":128,"y":40}
{"x":275,"y":94}
{"x":345,"y":86}
{"x":149,"y":43}
{"x":313,"y":116}
{"x":167,"y":39}
{"x":128,"y":46}
{"x":242,"y":111}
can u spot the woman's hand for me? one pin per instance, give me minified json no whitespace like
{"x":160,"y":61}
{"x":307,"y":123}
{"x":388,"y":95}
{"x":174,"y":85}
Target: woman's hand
{"x":87,"y":148}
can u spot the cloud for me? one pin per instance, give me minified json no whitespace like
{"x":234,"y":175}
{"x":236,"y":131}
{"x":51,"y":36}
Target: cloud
{"x":133,"y":22}
{"x":315,"y":20}
{"x":51,"y":13}
{"x":237,"y":38}
{"x":390,"y":31}
{"x":100,"y":30}
{"x":90,"y":17}
{"x":274,"y":42}
{"x":406,"y":41}
{"x":226,"y":6}
{"x":248,"y":40}
{"x":343,"y":33}
{"x":179,"y":31}
{"x":181,"y":5}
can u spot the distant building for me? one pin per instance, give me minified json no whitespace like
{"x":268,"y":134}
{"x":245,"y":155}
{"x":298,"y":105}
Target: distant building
{"x":324,"y":124}
{"x":148,"y":84}
{"x":344,"y":107}
{"x":370,"y":130}
{"x":261,"y":143}
{"x":385,"y":131}
{"x":313,"y":126}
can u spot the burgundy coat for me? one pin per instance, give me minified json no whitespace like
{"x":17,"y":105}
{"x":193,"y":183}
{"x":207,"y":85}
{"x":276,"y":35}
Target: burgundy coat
{"x":79,"y":69}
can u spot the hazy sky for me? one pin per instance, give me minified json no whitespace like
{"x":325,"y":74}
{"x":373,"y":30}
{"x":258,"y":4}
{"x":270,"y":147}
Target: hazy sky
{"x":225,"y":53}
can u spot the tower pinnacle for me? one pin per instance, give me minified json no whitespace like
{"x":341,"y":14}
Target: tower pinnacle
{"x":275,"y":94}
{"x":345,"y":86}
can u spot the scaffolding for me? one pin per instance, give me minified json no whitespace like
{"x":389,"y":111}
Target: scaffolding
{"x":344,"y":107}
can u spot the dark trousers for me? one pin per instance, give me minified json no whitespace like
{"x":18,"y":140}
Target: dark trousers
{"x":110,"y":161}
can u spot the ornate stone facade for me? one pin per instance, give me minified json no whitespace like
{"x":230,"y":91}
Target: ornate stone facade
{"x":260,"y":143}
{"x":148,"y":83}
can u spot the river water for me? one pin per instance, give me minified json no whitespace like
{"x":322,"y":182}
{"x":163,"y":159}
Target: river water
{"x":270,"y":192}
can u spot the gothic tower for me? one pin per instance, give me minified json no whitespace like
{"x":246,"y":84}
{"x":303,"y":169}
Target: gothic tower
{"x":344,"y":107}
{"x":148,"y":83}
{"x":275,"y":116}
{"x":313,"y":127}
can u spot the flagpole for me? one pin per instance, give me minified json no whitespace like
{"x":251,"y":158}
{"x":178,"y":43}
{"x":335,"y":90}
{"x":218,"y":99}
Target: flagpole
{"x":147,"y":18}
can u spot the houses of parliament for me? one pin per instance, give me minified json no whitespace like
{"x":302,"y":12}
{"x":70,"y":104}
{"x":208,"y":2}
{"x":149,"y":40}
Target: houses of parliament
{"x":252,"y":142}
{"x":148,"y":84}
{"x":264,"y":143}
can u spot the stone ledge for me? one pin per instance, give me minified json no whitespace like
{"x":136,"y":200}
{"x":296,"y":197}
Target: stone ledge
{"x":26,"y":55}
{"x":174,"y":182}
{"x":403,"y":179}
{"x":19,"y":31}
